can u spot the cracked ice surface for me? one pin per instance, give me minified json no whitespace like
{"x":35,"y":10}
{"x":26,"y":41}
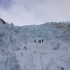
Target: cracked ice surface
{"x":20,"y":51}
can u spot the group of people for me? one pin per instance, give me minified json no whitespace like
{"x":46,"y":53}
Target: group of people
{"x":39,"y":41}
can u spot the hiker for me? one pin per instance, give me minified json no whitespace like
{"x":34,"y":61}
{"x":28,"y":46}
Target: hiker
{"x":35,"y":41}
{"x":42,"y":40}
{"x":39,"y":41}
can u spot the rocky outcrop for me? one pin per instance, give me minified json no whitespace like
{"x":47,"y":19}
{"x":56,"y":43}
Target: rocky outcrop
{"x":3,"y":21}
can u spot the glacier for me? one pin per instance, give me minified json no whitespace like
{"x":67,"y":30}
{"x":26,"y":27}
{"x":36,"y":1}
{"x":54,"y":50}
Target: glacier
{"x":22,"y":48}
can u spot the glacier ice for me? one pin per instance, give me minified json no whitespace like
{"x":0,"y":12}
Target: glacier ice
{"x":18,"y":51}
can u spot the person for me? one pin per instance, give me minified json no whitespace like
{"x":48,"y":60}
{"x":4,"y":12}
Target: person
{"x":35,"y":41}
{"x":42,"y":40}
{"x":39,"y":41}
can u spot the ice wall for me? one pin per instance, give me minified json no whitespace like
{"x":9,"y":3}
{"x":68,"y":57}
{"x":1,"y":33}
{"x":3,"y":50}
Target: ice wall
{"x":8,"y":60}
{"x":20,"y":51}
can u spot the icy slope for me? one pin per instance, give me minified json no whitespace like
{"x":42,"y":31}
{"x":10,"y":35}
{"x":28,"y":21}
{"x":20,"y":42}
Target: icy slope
{"x":22,"y":48}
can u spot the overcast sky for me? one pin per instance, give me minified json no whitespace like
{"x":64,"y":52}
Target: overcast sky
{"x":28,"y":12}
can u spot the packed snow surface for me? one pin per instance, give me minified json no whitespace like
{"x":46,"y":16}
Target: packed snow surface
{"x":35,"y":47}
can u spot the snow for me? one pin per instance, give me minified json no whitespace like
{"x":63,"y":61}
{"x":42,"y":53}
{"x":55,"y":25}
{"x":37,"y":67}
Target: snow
{"x":18,"y":51}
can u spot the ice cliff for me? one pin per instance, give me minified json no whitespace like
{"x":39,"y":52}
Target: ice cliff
{"x":22,"y":48}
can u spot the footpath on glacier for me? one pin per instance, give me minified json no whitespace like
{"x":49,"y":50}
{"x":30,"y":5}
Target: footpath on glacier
{"x":35,"y":47}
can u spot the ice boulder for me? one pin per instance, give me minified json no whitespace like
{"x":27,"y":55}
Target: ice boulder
{"x":1,"y":27}
{"x":11,"y":26}
{"x":6,"y":26}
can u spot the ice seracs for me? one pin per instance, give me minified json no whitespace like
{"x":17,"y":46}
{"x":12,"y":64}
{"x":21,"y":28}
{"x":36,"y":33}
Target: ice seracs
{"x":35,"y":47}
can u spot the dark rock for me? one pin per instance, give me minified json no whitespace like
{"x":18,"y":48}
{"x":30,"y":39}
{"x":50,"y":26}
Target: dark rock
{"x":3,"y":21}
